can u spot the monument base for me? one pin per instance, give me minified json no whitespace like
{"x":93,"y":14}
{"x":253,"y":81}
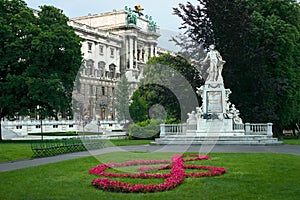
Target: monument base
{"x":216,"y":140}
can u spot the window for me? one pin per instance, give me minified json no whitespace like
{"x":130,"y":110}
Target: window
{"x":101,"y":67}
{"x":89,"y":67}
{"x":112,"y":70}
{"x":103,"y":91}
{"x":112,"y":52}
{"x":19,"y":127}
{"x":101,"y":49}
{"x":55,"y":126}
{"x":71,"y":126}
{"x":138,"y":54}
{"x":91,"y":90}
{"x":103,"y":113}
{"x":90,"y":47}
{"x":113,"y":91}
{"x":38,"y":126}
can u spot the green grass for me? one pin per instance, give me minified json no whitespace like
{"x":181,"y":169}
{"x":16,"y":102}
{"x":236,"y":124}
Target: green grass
{"x":249,"y":176}
{"x":15,"y":151}
{"x":292,"y":141}
{"x":18,"y":150}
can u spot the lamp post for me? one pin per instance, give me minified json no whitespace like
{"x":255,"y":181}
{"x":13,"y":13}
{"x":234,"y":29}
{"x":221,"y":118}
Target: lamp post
{"x":98,"y":124}
{"x":39,"y":108}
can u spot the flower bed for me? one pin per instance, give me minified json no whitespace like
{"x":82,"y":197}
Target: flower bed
{"x":173,"y":179}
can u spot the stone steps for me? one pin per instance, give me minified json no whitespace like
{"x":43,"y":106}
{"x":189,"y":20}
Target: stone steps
{"x":216,"y":140}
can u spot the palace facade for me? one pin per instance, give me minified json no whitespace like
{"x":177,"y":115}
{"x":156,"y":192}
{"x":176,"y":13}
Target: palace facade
{"x":114,"y":44}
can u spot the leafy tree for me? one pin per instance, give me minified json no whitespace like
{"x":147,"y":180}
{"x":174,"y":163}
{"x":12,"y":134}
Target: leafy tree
{"x":138,"y":108}
{"x":40,"y":57}
{"x":170,"y":81}
{"x":190,"y":50}
{"x":260,"y":42}
{"x":122,"y":99}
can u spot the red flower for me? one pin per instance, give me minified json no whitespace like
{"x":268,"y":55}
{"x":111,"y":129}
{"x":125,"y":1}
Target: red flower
{"x":172,"y":179}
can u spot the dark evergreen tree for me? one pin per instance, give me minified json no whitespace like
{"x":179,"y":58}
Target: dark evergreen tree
{"x":260,"y":42}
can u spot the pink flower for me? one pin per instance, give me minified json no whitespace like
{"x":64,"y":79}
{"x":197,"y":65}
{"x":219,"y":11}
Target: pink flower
{"x":172,"y":179}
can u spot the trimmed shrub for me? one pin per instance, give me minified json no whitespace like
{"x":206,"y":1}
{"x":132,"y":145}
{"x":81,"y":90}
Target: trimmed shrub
{"x":148,"y":129}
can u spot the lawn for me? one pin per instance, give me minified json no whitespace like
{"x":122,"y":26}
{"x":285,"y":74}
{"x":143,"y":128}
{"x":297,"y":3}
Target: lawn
{"x":292,"y":141}
{"x":18,"y":150}
{"x":249,"y":176}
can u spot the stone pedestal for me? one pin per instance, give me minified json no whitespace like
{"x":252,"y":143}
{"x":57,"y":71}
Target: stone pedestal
{"x":217,"y":116}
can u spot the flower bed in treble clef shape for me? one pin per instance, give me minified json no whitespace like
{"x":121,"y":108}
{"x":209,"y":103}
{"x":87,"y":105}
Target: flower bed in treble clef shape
{"x":174,"y":178}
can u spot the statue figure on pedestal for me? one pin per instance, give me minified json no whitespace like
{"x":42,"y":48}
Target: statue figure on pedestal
{"x":216,"y":64}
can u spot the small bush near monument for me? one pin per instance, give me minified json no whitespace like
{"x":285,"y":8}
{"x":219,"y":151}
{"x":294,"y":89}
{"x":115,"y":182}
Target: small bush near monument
{"x":148,"y":129}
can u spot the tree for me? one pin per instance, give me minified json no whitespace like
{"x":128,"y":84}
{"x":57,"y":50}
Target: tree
{"x":40,"y":57}
{"x":260,"y":42}
{"x":56,"y":59}
{"x":122,"y":99}
{"x":138,"y":108}
{"x":170,"y":81}
{"x":190,"y":50}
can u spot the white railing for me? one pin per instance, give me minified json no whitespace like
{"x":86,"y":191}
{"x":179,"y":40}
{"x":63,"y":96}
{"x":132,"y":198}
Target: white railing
{"x":238,"y":126}
{"x":172,"y":129}
{"x":250,"y":129}
{"x":259,"y":129}
{"x":37,"y":122}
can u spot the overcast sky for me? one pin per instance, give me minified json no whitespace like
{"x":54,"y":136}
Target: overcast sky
{"x":161,"y":11}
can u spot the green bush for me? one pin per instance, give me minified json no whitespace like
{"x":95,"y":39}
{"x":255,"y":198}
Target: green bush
{"x":148,"y":129}
{"x":172,"y":121}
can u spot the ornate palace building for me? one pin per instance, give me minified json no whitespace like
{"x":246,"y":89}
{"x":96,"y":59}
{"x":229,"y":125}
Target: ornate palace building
{"x":114,"y":44}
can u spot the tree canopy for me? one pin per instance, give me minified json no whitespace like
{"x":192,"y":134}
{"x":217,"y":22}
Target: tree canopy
{"x":39,"y":60}
{"x":170,"y":83}
{"x":261,"y":44}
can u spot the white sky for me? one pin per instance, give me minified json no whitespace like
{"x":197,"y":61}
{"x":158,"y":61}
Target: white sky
{"x":160,"y":10}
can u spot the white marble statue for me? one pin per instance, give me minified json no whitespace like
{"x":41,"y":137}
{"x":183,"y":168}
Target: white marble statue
{"x":216,"y":64}
{"x":234,"y":114}
{"x":200,"y":91}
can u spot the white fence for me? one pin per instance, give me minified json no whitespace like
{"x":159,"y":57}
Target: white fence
{"x":23,"y":127}
{"x":259,"y":129}
{"x":250,"y":129}
{"x":172,"y":129}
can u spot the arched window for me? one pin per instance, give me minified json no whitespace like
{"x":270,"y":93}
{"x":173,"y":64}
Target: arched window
{"x":89,"y":67}
{"x":101,"y":67}
{"x":112,"y":71}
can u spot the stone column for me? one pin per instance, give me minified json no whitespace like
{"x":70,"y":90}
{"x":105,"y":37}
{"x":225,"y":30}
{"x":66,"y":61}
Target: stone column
{"x":247,"y":129}
{"x":130,"y":53}
{"x":151,"y":50}
{"x":135,"y":51}
{"x":146,"y":58}
{"x":125,"y":51}
{"x":269,"y":130}
{"x":155,"y":51}
{"x":162,"y":130}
